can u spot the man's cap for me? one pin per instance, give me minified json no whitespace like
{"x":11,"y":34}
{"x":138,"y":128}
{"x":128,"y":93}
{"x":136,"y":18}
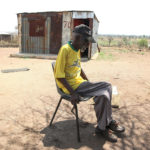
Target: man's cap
{"x":85,"y":31}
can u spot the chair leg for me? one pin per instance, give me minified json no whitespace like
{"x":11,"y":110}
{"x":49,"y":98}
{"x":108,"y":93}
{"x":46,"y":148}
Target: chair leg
{"x":55,"y":112}
{"x":77,"y":123}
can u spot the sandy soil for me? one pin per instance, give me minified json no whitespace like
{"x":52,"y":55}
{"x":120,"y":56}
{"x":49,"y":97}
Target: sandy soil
{"x":28,"y":100}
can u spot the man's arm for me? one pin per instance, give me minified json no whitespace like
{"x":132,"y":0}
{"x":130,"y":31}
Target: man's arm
{"x":83,"y":75}
{"x":66,"y":85}
{"x":74,"y":95}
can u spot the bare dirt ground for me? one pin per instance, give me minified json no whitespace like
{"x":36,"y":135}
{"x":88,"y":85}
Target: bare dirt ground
{"x":28,"y":100}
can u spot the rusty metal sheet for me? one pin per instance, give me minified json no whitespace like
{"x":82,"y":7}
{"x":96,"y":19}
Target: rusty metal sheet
{"x":34,"y":16}
{"x":56,"y":33}
{"x":37,"y":27}
{"x":34,"y":44}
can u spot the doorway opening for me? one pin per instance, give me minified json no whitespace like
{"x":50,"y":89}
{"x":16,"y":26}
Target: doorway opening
{"x":77,"y":22}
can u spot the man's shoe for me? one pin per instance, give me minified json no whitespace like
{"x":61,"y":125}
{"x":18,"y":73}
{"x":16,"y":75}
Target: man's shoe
{"x":114,"y":126}
{"x":107,"y":134}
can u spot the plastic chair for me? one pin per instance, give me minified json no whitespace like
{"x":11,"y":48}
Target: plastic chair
{"x":67,"y":97}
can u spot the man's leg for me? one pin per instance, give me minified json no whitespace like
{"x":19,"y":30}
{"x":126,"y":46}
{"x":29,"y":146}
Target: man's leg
{"x":102,"y":93}
{"x":103,"y":108}
{"x":104,"y":114}
{"x":102,"y":111}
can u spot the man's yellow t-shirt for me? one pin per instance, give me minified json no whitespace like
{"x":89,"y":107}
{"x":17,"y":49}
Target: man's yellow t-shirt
{"x":68,"y":66}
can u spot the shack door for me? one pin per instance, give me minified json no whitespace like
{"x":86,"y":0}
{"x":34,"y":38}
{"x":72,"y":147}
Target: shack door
{"x":56,"y":33}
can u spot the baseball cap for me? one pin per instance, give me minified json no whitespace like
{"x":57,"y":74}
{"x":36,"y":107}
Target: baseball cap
{"x":85,"y":31}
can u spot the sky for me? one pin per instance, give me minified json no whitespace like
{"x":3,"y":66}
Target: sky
{"x":127,"y":17}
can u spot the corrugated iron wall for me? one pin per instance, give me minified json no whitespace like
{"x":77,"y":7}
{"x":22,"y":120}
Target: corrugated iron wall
{"x":56,"y":32}
{"x":82,"y":15}
{"x":19,"y":31}
{"x":35,"y":44}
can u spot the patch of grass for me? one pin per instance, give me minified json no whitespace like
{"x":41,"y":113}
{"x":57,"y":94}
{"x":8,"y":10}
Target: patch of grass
{"x":124,"y":51}
{"x":140,"y":53}
{"x":106,"y":56}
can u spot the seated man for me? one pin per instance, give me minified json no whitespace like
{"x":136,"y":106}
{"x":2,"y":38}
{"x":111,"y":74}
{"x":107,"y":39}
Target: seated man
{"x":72,"y":80}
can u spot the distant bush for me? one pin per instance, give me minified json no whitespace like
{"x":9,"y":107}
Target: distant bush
{"x":143,"y":43}
{"x":110,"y":40}
{"x":103,"y":42}
{"x":9,"y":44}
{"x":120,"y":43}
{"x":125,"y":41}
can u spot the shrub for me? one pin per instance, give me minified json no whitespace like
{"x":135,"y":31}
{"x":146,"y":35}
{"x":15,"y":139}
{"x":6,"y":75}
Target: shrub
{"x":125,"y":41}
{"x":109,"y":40}
{"x":120,"y":43}
{"x":143,"y":43}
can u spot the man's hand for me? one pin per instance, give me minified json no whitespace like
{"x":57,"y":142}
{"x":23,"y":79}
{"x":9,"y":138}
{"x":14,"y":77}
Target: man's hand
{"x":74,"y":98}
{"x":74,"y":95}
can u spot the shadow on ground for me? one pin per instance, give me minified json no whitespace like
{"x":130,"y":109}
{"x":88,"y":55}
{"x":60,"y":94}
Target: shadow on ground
{"x":54,"y":136}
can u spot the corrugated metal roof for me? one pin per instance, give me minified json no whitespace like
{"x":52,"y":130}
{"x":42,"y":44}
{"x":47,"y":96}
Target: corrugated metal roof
{"x":60,"y":12}
{"x":56,"y":11}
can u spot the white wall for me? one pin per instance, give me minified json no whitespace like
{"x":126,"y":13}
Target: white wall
{"x":66,"y":27}
{"x":95,"y":35}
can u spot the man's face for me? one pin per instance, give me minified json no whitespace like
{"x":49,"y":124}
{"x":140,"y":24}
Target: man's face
{"x":84,"y":43}
{"x":80,"y":41}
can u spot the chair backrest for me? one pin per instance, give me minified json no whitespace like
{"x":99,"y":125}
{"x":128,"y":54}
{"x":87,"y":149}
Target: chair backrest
{"x":58,"y":89}
{"x":53,"y":65}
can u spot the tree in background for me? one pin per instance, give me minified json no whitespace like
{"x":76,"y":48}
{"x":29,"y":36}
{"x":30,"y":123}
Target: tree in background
{"x":110,"y":40}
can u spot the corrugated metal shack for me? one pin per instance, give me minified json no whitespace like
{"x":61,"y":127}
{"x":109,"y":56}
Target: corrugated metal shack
{"x":5,"y":37}
{"x":46,"y":32}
